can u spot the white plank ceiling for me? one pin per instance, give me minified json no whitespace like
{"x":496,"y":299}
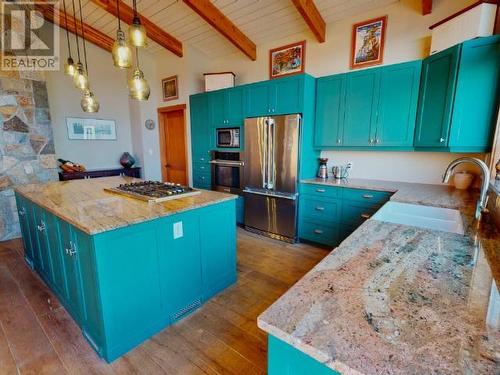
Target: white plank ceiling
{"x":261,"y":20}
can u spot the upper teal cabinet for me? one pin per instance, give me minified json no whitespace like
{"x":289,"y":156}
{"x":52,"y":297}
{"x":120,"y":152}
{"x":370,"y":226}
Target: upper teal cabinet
{"x":275,"y":97}
{"x":397,"y":105}
{"x":226,"y":107}
{"x":368,"y":109}
{"x":201,"y":134}
{"x":459,"y":97}
{"x":330,"y":98}
{"x":362,"y":90}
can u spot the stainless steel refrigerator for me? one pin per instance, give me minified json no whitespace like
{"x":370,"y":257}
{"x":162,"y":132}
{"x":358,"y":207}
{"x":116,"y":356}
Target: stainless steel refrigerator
{"x":271,"y":170}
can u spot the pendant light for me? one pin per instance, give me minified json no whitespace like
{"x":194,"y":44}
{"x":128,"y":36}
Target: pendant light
{"x":89,"y":102}
{"x":69,"y":67}
{"x":137,"y":32}
{"x":138,"y":86}
{"x":121,"y":52}
{"x":80,"y":78}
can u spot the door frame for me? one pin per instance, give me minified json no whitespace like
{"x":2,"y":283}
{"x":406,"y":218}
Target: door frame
{"x":162,"y":130}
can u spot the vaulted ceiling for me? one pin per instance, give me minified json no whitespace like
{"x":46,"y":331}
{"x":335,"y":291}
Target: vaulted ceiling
{"x":260,"y":21}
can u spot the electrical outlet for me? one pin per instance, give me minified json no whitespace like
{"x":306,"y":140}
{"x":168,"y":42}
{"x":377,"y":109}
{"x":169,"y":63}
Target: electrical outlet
{"x":178,"y":231}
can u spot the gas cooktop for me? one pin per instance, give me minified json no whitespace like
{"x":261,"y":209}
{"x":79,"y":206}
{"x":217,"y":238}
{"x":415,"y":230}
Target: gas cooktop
{"x":154,"y":191}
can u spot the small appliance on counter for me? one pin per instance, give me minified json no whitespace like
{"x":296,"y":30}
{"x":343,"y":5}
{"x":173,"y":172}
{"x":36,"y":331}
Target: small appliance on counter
{"x":340,"y":171}
{"x":227,"y":137}
{"x":153,"y":191}
{"x":323,"y":169}
{"x":227,"y":171}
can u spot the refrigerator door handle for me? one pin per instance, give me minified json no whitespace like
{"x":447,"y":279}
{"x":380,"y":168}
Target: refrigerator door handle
{"x":272,"y":195}
{"x":270,"y":154}
{"x":265,"y":154}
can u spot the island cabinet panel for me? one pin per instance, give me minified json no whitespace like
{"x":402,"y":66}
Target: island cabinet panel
{"x":56,"y":255}
{"x":180,"y":265}
{"x":45,"y":263}
{"x":25,"y":212}
{"x":218,"y":241}
{"x":285,"y":359}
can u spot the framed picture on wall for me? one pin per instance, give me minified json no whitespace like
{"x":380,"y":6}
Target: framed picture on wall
{"x":91,"y":129}
{"x":287,"y":60}
{"x":169,"y":88}
{"x":367,"y":44}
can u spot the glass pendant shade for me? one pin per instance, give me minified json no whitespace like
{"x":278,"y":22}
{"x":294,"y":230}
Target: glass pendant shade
{"x":69,"y":67}
{"x":121,"y":52}
{"x":80,"y":78}
{"x":138,"y":86}
{"x":89,"y":103}
{"x":137,"y":33}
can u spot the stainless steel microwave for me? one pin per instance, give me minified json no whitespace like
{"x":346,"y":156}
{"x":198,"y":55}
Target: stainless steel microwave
{"x":228,"y":137}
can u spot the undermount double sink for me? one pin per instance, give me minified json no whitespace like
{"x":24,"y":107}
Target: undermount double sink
{"x":437,"y":218}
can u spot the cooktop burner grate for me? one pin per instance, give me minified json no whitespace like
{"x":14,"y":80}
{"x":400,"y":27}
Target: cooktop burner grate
{"x":154,"y":191}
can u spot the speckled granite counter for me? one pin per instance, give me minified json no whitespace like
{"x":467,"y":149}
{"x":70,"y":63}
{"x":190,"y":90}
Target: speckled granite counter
{"x":88,"y":207}
{"x":395,"y":299}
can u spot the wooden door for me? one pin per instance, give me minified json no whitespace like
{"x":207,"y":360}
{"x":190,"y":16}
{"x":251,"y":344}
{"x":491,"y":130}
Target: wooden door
{"x":173,"y":144}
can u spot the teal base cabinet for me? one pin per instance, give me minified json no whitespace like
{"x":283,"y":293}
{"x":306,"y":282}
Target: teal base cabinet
{"x":285,"y":359}
{"x":124,"y":285}
{"x":459,"y":97}
{"x":329,"y":214}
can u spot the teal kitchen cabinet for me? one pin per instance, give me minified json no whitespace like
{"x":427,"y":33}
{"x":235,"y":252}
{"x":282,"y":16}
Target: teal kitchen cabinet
{"x":397,"y":106}
{"x":362,"y":91}
{"x":285,"y":359}
{"x":437,"y":90}
{"x":226,"y":107}
{"x":202,"y":140}
{"x":275,"y":97}
{"x":459,"y":97}
{"x":124,"y":285}
{"x":218,"y":257}
{"x":368,"y":109}
{"x":330,"y":101}
{"x":24,"y":212}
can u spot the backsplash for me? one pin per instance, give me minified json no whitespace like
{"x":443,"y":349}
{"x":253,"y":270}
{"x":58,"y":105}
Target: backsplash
{"x":27,"y":152}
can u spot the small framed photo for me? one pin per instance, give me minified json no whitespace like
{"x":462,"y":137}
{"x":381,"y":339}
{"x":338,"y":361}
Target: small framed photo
{"x":287,"y":60}
{"x":91,"y":129}
{"x":367,"y":44}
{"x":170,"y":88}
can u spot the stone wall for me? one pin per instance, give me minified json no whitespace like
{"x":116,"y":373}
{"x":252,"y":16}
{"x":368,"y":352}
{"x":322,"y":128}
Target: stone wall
{"x":27,"y":152}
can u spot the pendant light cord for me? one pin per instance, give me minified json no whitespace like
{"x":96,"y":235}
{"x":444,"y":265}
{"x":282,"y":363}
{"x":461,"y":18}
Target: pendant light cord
{"x":83,"y":37}
{"x":76,"y":31}
{"x":66,"y":27}
{"x":137,"y":57}
{"x":135,"y":8}
{"x":118,"y":13}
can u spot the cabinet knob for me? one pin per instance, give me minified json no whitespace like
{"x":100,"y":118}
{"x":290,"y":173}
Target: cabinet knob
{"x":22,"y":211}
{"x":441,"y":140}
{"x":319,"y":208}
{"x":377,"y":141}
{"x":367,"y":196}
{"x":371,"y":141}
{"x":339,"y":141}
{"x":320,"y":190}
{"x":41,"y":227}
{"x":318,"y":231}
{"x":71,"y":250}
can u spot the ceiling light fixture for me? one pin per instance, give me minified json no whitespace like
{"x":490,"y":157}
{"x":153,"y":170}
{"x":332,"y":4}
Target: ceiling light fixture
{"x":136,"y":31}
{"x":89,"y":102}
{"x":138,"y":86}
{"x":69,"y":67}
{"x":80,"y":78}
{"x":121,"y":52}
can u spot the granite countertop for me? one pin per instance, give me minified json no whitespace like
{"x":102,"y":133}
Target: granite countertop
{"x":394,"y":299}
{"x":86,"y":205}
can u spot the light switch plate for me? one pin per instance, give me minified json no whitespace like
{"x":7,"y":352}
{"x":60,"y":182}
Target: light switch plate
{"x":178,"y":231}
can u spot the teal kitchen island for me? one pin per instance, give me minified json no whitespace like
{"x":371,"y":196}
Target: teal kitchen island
{"x":123,"y":268}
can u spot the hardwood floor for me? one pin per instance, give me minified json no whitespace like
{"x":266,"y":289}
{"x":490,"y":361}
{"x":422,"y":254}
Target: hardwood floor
{"x":37,"y":336}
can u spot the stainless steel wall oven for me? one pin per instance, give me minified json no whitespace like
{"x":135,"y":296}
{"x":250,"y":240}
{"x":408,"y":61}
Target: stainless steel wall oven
{"x":227,"y":171}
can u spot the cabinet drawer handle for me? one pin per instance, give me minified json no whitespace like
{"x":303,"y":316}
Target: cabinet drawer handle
{"x":320,"y":190}
{"x":367,"y":196}
{"x":202,"y":167}
{"x":202,"y":159}
{"x":71,"y":250}
{"x":318,"y":231}
{"x":41,"y":227}
{"x":365,"y":216}
{"x":319,"y":208}
{"x":22,"y":211}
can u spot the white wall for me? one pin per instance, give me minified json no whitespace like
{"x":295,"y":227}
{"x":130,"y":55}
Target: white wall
{"x":109,"y":84}
{"x":407,"y":38}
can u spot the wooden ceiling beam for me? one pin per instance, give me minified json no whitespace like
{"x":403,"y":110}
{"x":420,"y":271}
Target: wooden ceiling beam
{"x":153,"y":31}
{"x":426,"y":7}
{"x":57,"y":17}
{"x":313,"y":18}
{"x":224,"y":25}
